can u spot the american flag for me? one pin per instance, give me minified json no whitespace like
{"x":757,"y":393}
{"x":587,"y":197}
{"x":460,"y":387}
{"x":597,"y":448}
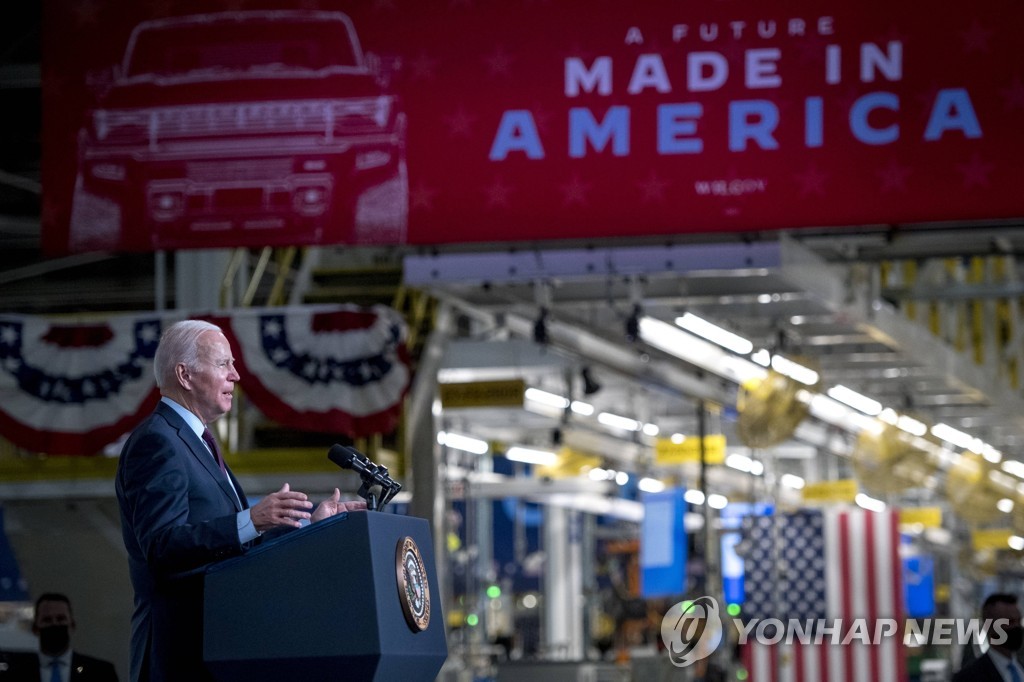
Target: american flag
{"x":835,"y":565}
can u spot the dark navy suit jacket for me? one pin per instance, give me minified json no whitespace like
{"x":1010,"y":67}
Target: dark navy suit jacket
{"x":981,"y":669}
{"x":24,"y":667}
{"x":178,"y":513}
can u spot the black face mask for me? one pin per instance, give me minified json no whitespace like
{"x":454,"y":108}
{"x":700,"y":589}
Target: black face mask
{"x":1014,"y":638}
{"x":54,"y":639}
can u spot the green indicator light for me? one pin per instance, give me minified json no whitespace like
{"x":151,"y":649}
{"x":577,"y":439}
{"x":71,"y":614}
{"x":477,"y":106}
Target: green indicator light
{"x":686,"y":606}
{"x":741,"y":674}
{"x":733,"y":610}
{"x":472,"y":620}
{"x":493,"y":591}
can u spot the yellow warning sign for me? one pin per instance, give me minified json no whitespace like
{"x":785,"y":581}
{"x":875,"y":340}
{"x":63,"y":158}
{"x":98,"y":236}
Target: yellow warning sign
{"x":991,"y":538}
{"x":569,"y":463}
{"x":666,"y":451}
{"x":483,"y":394}
{"x":842,"y":490}
{"x":929,"y":517}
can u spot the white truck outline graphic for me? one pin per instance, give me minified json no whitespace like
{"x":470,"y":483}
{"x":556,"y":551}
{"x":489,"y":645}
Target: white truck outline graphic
{"x":249,"y":128}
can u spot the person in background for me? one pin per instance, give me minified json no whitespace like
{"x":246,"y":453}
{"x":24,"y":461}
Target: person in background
{"x":999,"y":663}
{"x":182,"y":508}
{"x":57,"y":661}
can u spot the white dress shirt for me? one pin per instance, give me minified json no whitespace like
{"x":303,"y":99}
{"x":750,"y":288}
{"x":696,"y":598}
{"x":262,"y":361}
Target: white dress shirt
{"x":46,"y":666}
{"x":1003,"y":665}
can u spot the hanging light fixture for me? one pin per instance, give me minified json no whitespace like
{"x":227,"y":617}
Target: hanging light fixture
{"x":540,"y":328}
{"x":633,"y":323}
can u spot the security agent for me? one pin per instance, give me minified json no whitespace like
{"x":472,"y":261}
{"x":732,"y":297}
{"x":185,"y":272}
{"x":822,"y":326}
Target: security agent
{"x":54,"y":624}
{"x":1005,"y":635}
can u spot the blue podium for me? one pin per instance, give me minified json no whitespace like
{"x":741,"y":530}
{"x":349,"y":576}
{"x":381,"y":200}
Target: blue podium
{"x":354,"y":597}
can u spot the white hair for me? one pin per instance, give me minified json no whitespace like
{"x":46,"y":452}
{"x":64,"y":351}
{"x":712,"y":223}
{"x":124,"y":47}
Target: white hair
{"x":179,"y":343}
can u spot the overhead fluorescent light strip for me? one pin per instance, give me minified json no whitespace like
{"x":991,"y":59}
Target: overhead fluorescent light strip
{"x":531,"y":456}
{"x":581,"y":408}
{"x":792,"y":481}
{"x":694,"y":348}
{"x":715,"y":334}
{"x":1015,"y":467}
{"x":967,"y":442}
{"x":614,"y":420}
{"x":650,"y":485}
{"x":855,"y":400}
{"x":460,"y":442}
{"x":545,"y":398}
{"x":794,"y":370}
{"x":786,"y":367}
{"x":871,"y":504}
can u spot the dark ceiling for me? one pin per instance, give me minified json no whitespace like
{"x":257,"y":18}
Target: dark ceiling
{"x":20,"y":133}
{"x":30,"y":282}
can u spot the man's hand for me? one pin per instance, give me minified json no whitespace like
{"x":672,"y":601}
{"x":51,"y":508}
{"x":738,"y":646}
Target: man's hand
{"x":333,"y":505}
{"x":283,"y":508}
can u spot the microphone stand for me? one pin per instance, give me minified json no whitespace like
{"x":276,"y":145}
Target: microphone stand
{"x":373,"y":476}
{"x":366,"y":492}
{"x":378,"y":487}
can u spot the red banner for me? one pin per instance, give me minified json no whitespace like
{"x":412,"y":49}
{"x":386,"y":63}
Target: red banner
{"x":196,"y":124}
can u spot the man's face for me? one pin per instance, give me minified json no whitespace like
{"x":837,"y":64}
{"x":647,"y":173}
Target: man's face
{"x":52,"y":613}
{"x":1009,"y":612}
{"x":212,"y":383}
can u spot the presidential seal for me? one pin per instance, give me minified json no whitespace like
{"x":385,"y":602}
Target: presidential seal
{"x":413,"y":590}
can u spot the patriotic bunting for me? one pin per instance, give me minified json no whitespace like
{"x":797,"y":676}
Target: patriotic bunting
{"x":73,"y":387}
{"x":342,"y":369}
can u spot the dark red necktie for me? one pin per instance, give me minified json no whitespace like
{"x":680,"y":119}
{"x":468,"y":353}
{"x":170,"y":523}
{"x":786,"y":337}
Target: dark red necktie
{"x":212,"y":444}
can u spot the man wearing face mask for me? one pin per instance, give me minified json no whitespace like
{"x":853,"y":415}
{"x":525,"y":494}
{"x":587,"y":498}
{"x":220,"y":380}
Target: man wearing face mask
{"x":53,"y":624}
{"x":999,"y":663}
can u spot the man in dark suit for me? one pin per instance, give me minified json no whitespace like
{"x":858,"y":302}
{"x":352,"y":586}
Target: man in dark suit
{"x":53,"y":623}
{"x":1005,"y":637}
{"x":182,"y":508}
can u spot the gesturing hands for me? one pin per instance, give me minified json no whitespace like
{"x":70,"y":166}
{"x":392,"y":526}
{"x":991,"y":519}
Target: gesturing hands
{"x":333,"y":505}
{"x":283,"y":508}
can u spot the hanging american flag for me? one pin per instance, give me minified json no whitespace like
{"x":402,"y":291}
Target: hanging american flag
{"x":826,"y":570}
{"x":74,"y":387}
{"x":338,"y":368}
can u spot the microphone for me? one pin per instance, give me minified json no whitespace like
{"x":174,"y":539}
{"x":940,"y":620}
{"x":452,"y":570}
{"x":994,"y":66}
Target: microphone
{"x":350,"y":458}
{"x":371,"y":474}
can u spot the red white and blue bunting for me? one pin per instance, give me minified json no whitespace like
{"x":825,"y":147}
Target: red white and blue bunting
{"x":341,"y":369}
{"x":73,"y":387}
